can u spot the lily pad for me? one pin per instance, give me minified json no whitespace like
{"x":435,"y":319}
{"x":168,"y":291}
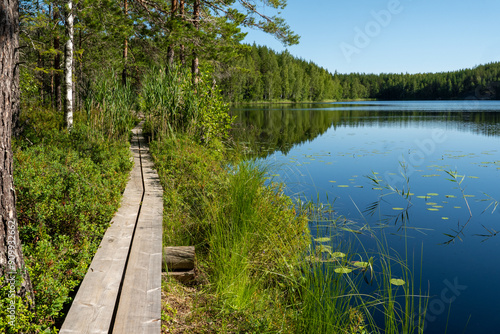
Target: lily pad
{"x":397,"y":281}
{"x":432,"y":194}
{"x":360,"y":264}
{"x":338,"y":254}
{"x":424,"y":197}
{"x":325,"y":239}
{"x":343,"y":270}
{"x":445,"y":218}
{"x":398,"y":209}
{"x":432,"y":209}
{"x":343,"y":186}
{"x":325,"y":248}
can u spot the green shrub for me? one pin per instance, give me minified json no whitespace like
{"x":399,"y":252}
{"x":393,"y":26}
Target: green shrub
{"x":68,"y":187}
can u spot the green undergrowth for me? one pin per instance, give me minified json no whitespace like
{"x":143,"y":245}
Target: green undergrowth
{"x":249,"y":240}
{"x":68,"y":187}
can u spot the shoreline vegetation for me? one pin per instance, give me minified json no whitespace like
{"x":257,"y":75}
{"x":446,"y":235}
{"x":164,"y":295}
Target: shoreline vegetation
{"x":295,"y":102}
{"x":263,"y":102}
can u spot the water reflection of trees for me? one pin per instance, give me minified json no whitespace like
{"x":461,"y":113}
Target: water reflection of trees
{"x":270,"y":128}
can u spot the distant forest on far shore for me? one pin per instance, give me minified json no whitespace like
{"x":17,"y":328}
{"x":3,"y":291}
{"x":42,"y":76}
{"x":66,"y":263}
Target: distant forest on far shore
{"x":265,"y":75}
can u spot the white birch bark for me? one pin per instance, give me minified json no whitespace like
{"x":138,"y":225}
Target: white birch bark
{"x":69,"y":66}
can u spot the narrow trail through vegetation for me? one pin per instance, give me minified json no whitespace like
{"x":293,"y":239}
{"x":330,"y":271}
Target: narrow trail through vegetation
{"x":121,"y":292}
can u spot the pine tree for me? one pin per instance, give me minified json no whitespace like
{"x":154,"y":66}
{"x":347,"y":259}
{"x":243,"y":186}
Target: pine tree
{"x":12,"y":266}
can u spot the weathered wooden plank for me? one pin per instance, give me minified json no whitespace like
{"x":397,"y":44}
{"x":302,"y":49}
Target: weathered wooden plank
{"x":93,"y":306}
{"x":139,"y":309}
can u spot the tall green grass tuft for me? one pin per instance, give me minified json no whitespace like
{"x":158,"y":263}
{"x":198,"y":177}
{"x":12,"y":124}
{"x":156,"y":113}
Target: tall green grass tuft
{"x":109,"y":107}
{"x":256,"y":238}
{"x":172,"y":103}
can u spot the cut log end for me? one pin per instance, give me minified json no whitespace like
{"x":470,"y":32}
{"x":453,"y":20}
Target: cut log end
{"x":178,"y":258}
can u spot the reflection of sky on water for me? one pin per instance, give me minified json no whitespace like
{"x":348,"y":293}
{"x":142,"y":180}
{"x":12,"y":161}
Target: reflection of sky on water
{"x":334,"y":165}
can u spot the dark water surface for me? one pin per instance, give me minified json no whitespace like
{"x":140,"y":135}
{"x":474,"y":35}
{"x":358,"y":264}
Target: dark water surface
{"x":325,"y":152}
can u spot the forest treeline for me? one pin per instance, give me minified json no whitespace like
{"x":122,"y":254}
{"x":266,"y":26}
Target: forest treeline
{"x":69,"y":46}
{"x":126,"y":39}
{"x":261,"y":74}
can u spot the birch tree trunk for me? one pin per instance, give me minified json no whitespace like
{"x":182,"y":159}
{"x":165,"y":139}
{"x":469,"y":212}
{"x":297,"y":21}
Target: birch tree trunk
{"x":12,"y":266}
{"x":69,"y":66}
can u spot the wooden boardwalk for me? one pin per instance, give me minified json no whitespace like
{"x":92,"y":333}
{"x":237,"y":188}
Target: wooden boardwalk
{"x":121,"y":292}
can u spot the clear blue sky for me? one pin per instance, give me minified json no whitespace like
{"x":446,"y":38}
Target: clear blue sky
{"x":403,"y":36}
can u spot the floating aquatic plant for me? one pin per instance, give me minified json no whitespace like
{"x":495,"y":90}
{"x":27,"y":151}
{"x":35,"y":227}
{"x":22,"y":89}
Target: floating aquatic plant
{"x":343,"y":270}
{"x":338,"y":255}
{"x":397,"y":281}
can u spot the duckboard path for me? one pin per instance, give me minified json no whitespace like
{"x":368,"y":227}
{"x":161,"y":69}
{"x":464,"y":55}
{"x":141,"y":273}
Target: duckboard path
{"x":121,"y":292}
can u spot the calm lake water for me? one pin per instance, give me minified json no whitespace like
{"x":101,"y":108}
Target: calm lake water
{"x":332,"y":152}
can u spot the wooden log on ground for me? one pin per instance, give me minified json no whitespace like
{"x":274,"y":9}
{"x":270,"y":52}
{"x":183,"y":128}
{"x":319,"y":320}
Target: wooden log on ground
{"x":182,"y":276}
{"x":178,"y":258}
